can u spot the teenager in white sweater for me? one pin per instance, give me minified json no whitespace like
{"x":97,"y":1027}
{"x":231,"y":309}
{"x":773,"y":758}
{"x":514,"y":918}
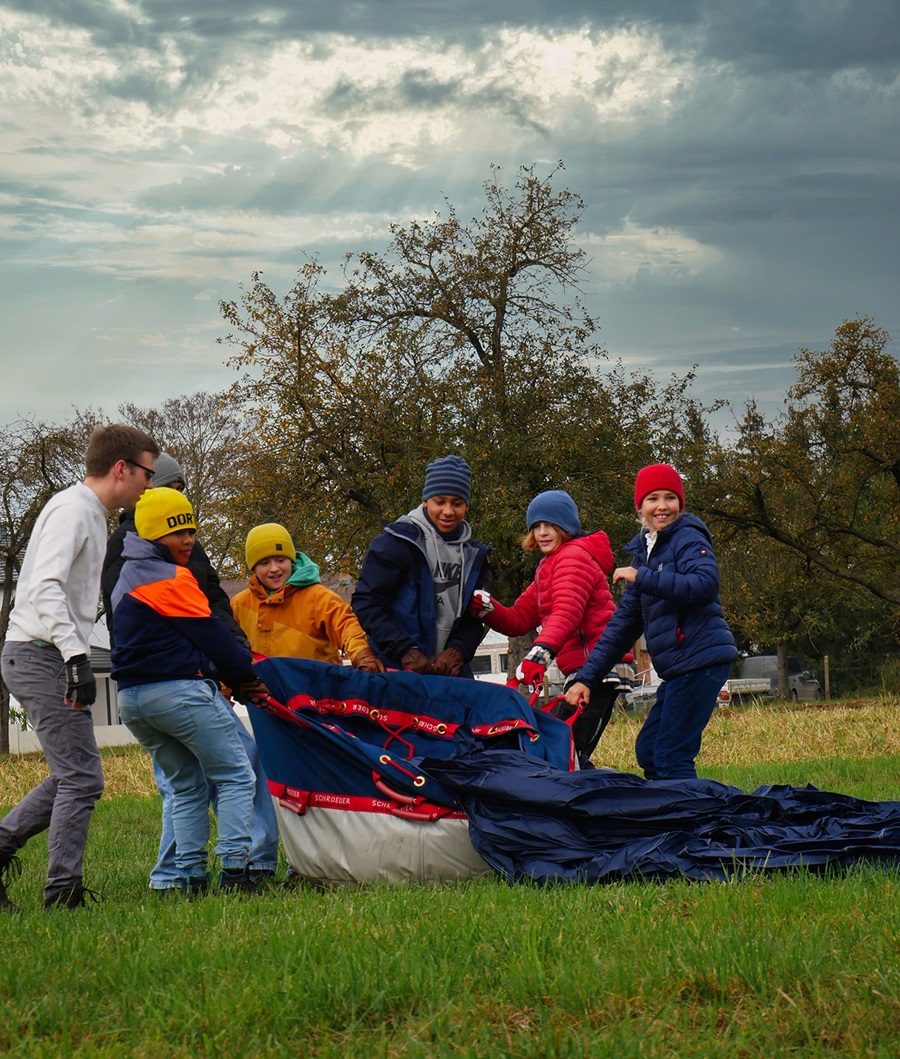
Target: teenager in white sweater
{"x":45,"y":661}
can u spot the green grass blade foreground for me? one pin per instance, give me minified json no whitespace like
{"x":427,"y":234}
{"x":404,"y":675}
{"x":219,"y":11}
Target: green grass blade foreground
{"x":782,"y":965}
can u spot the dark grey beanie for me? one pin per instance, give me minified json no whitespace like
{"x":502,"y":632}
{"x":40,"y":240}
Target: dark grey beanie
{"x":168,"y":470}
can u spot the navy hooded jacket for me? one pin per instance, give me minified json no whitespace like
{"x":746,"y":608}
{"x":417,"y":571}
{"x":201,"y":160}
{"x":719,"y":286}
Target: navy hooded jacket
{"x":674,"y":602}
{"x":395,"y":598}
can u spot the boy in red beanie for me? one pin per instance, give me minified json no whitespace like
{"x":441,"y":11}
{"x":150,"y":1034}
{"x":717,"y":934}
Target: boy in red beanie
{"x":673,"y":599}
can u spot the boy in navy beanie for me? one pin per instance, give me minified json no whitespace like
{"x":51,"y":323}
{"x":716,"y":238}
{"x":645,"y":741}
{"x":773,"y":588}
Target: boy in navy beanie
{"x":418,"y":577}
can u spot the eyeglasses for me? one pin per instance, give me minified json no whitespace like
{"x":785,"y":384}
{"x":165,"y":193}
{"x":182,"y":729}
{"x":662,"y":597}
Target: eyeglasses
{"x":148,"y":471}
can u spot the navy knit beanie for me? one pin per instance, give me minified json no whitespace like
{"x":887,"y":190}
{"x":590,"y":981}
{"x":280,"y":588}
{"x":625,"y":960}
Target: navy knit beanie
{"x":554,"y":506}
{"x":448,"y":476}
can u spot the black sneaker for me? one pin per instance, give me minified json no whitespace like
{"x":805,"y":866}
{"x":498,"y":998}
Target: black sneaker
{"x":9,"y":865}
{"x":236,"y":881}
{"x":71,"y":896}
{"x":192,"y":886}
{"x":263,"y":878}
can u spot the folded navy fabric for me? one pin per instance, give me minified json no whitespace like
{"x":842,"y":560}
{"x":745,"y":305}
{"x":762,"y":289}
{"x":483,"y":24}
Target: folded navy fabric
{"x":529,"y":820}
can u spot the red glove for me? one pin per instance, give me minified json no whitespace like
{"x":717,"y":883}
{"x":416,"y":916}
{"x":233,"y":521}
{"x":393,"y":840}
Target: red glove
{"x":533,"y":666}
{"x":480,"y":603}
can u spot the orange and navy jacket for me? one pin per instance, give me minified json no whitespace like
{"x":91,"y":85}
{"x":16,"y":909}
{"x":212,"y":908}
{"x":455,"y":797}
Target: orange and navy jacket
{"x":164,"y":628}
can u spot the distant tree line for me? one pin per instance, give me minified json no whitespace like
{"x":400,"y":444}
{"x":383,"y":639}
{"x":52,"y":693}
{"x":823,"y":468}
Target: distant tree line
{"x":472,"y":338}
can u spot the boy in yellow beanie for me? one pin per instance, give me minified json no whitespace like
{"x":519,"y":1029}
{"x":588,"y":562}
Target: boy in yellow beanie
{"x":170,"y":651}
{"x":286,"y":610}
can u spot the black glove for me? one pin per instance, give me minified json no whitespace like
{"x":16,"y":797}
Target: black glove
{"x":81,"y":686}
{"x":254,"y":691}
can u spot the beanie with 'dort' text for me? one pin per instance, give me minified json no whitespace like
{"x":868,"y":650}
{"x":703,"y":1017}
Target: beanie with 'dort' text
{"x":658,"y":477}
{"x":268,"y":539}
{"x":162,"y":510}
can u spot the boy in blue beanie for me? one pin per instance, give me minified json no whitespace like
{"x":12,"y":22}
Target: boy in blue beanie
{"x":418,"y":577}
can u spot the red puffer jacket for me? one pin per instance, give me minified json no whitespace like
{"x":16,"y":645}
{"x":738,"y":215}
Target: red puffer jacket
{"x":569,"y":597}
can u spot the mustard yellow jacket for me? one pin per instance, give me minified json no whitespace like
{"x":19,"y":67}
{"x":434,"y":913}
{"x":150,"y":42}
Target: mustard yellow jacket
{"x":308,"y":622}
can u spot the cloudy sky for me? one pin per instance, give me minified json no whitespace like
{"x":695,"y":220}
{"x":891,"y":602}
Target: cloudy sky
{"x":738,"y":160}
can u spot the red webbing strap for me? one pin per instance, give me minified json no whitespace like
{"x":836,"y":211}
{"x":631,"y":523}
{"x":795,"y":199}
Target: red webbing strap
{"x":402,"y":720}
{"x":298,"y":802}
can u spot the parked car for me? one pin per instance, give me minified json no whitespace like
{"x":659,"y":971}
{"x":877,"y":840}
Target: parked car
{"x":802,"y":684}
{"x":737,"y":690}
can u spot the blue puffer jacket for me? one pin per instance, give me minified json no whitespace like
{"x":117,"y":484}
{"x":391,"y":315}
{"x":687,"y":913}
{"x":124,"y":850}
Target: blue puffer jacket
{"x":674,"y":602}
{"x":395,"y":602}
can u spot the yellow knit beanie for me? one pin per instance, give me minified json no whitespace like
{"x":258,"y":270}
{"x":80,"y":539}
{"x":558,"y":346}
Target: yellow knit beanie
{"x":268,"y":539}
{"x":163,"y":510}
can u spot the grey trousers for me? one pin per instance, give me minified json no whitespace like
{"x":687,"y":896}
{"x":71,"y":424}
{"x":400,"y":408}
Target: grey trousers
{"x":65,"y":800}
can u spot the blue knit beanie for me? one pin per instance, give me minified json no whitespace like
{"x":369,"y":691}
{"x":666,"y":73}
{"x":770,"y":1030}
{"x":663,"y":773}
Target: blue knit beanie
{"x":554,"y":506}
{"x":448,"y":476}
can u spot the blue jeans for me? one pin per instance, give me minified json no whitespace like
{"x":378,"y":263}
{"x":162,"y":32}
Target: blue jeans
{"x":62,"y":804}
{"x":669,"y":740}
{"x":188,"y":728}
{"x":263,"y":823}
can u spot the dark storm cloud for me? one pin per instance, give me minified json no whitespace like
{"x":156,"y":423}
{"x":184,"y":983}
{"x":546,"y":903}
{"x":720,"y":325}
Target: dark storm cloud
{"x":414,"y":87}
{"x":792,"y":34}
{"x":759,"y":196}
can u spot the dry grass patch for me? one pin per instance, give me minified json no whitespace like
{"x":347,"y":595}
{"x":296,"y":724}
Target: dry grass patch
{"x":770,"y":733}
{"x":127,"y":770}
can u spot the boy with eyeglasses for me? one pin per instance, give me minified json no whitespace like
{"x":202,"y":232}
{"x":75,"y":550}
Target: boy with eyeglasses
{"x":45,"y":661}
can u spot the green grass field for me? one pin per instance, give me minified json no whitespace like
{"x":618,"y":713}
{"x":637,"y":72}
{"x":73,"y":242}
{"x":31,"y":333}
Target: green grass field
{"x":782,"y":965}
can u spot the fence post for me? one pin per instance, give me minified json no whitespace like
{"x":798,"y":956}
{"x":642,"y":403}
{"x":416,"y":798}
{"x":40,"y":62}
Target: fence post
{"x":827,"y":679}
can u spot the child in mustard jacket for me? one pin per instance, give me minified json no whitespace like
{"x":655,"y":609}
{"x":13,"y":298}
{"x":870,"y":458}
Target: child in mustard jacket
{"x":285,"y":609}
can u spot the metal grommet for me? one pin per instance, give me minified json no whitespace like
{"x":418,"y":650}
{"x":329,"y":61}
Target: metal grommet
{"x":419,"y":781}
{"x":440,"y":728}
{"x":384,"y":759}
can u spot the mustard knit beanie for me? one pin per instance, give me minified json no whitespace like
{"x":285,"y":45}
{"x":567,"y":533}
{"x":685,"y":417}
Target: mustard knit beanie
{"x":268,"y":539}
{"x":162,"y":510}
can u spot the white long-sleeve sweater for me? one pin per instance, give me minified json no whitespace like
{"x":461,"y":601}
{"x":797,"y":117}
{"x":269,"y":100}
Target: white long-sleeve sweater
{"x":59,"y":586}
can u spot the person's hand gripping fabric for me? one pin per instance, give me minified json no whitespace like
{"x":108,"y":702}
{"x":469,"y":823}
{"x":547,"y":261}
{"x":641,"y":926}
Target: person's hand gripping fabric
{"x":533,"y":666}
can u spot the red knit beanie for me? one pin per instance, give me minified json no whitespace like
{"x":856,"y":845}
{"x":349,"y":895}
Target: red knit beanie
{"x":658,"y":476}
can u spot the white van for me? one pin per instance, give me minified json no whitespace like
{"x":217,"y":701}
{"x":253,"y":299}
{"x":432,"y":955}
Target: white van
{"x":802,"y":685}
